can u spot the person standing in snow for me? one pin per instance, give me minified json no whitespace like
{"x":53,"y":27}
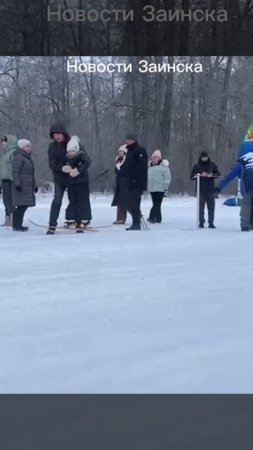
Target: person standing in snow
{"x":136,"y":167}
{"x":208,"y":171}
{"x":9,"y":145}
{"x":23,"y":186}
{"x":120,"y":194}
{"x":76,"y":168}
{"x":159,"y":179}
{"x":244,"y":170}
{"x":57,"y":157}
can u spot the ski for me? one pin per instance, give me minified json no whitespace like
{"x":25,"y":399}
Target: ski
{"x":62,"y":228}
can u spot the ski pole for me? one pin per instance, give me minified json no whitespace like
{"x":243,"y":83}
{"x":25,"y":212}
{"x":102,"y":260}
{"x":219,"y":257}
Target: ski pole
{"x":198,"y":200}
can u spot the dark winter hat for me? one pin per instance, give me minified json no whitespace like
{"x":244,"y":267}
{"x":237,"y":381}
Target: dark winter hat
{"x":59,"y":128}
{"x":4,"y":139}
{"x":204,"y":155}
{"x":131,"y":137}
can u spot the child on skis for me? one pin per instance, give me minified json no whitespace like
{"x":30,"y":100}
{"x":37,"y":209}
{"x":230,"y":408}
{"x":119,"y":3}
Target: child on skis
{"x":76,"y":166}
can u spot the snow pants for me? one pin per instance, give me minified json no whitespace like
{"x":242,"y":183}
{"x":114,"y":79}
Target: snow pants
{"x":206,"y":199}
{"x":79,"y":202}
{"x":246,"y":210}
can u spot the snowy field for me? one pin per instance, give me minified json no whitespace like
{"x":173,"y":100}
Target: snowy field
{"x":164,"y":311}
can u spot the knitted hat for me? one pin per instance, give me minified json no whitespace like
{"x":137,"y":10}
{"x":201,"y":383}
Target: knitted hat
{"x":131,"y":137}
{"x":204,"y":154}
{"x":23,"y":142}
{"x":4,"y":139}
{"x":157,"y":154}
{"x":123,"y":149}
{"x":73,"y":145}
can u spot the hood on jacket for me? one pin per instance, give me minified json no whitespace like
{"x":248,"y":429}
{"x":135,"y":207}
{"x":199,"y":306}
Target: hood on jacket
{"x":12,"y":142}
{"x":163,"y":162}
{"x":204,"y":154}
{"x":59,"y":127}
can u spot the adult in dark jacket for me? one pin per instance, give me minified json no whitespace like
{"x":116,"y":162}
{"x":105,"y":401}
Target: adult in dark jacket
{"x":137,"y":177}
{"x":57,"y":157}
{"x":23,"y":183}
{"x":120,"y":195}
{"x":76,"y":168}
{"x":208,"y":171}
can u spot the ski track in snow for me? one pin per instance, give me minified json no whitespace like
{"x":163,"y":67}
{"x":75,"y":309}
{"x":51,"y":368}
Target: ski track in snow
{"x":164,"y":311}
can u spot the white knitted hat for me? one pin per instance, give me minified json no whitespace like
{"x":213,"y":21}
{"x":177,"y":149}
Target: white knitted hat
{"x":23,"y":142}
{"x":73,"y":145}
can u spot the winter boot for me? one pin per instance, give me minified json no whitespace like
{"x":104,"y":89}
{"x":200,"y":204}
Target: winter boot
{"x":212,"y":226}
{"x":7,"y":221}
{"x":21,"y":228}
{"x":245,"y":229}
{"x":51,"y":230}
{"x":134,"y":227}
{"x":69,"y":223}
{"x":201,"y":225}
{"x":79,"y":228}
{"x":119,"y":222}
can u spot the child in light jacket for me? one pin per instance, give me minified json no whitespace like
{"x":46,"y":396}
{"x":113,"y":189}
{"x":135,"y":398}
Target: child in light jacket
{"x":159,"y":179}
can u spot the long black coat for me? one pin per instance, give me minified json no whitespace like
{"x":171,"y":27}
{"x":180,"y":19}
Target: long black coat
{"x":120,"y":194}
{"x":23,"y":177}
{"x":136,"y":167}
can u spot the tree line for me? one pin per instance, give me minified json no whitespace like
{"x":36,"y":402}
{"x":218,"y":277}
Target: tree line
{"x":179,"y":113}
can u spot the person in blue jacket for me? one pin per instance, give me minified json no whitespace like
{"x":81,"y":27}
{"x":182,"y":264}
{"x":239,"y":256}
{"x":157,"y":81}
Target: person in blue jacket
{"x":244,"y":170}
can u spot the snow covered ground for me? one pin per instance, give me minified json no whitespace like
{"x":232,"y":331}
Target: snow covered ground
{"x":164,"y":311}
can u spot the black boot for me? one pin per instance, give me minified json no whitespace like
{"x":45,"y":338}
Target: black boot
{"x":134,"y":227}
{"x":245,"y":229}
{"x":21,"y":228}
{"x":201,"y":225}
{"x":211,"y":225}
{"x":51,"y":230}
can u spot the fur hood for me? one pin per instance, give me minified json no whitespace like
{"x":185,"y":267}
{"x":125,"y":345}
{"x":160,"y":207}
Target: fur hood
{"x":164,"y":163}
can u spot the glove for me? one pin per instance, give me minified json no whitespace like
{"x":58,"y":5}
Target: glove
{"x":74,"y":173}
{"x":36,"y":189}
{"x":18,"y":188}
{"x":66,"y":169}
{"x":216,"y":190}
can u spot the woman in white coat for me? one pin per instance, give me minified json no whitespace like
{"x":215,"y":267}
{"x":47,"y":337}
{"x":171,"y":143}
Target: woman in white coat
{"x":159,"y":179}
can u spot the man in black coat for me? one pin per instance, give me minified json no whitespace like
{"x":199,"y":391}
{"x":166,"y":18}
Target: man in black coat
{"x":208,"y":171}
{"x":136,"y":169}
{"x":57,"y":157}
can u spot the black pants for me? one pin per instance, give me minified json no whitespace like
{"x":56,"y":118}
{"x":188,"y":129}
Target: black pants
{"x":134,"y":205}
{"x":209,"y":200}
{"x":79,"y":202}
{"x":18,"y":216}
{"x":155,"y":214}
{"x":7,"y":197}
{"x":59,"y":189}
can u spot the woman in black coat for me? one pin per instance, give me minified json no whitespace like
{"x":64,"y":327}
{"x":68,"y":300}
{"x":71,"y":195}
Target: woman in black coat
{"x":24,"y":186}
{"x":120,"y":195}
